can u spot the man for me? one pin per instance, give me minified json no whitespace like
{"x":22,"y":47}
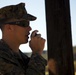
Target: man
{"x":15,"y":27}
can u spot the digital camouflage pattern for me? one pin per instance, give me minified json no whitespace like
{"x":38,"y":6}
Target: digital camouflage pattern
{"x":19,"y":64}
{"x":14,"y":13}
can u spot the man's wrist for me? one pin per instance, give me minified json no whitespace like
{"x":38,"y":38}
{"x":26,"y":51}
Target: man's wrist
{"x":37,"y":52}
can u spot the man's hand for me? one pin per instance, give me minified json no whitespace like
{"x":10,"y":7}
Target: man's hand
{"x":52,"y":66}
{"x":37,"y":42}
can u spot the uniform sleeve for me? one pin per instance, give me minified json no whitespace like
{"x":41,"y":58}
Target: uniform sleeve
{"x":36,"y":65}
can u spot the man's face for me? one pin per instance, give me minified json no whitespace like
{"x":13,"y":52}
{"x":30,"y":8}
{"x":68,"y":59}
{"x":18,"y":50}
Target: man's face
{"x":21,"y":33}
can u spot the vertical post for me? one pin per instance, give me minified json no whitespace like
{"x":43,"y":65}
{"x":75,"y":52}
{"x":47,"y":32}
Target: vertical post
{"x":59,"y":35}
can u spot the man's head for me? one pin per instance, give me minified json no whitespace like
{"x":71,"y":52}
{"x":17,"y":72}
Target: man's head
{"x":14,"y":22}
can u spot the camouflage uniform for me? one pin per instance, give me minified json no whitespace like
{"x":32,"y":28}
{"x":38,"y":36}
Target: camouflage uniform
{"x":19,"y":64}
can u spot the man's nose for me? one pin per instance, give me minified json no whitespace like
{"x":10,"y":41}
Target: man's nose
{"x":29,"y":28}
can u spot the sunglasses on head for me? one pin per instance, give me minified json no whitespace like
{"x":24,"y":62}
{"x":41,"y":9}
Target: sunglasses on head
{"x":20,"y":23}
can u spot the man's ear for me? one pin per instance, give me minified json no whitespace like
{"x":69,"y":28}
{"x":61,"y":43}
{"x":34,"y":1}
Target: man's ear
{"x":9,"y":27}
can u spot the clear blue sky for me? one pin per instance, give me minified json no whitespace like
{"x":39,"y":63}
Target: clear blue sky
{"x":37,"y":8}
{"x":73,"y":20}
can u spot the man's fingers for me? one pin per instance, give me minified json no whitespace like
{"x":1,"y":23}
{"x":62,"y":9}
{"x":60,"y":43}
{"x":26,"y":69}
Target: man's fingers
{"x":38,"y":35}
{"x":34,"y":33}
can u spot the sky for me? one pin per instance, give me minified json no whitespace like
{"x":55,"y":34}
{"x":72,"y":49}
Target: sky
{"x":73,"y":20}
{"x":37,"y":8}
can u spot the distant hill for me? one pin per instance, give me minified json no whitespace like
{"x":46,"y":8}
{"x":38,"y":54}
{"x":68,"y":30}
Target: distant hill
{"x":74,"y":49}
{"x":44,"y":54}
{"x":74,"y":52}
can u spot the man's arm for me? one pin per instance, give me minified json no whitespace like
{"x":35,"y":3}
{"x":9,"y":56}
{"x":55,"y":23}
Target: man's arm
{"x":36,"y":65}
